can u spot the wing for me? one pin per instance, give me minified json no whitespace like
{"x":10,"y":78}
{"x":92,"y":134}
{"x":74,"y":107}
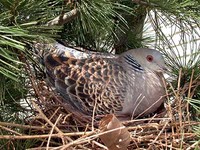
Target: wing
{"x":88,"y":83}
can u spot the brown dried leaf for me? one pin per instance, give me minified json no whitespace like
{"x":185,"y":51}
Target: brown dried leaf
{"x":116,"y":136}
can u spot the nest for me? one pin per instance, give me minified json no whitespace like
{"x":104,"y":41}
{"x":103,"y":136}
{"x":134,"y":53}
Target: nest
{"x":55,"y":125}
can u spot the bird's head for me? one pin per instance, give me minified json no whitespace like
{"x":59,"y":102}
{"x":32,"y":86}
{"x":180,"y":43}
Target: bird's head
{"x":148,"y":59}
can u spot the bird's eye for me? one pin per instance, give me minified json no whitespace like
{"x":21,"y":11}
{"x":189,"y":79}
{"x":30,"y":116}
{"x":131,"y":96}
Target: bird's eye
{"x":149,"y":58}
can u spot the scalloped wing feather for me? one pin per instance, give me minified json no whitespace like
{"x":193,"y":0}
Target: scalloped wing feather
{"x":84,"y":82}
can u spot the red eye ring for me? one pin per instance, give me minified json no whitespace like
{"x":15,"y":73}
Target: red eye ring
{"x":149,"y":58}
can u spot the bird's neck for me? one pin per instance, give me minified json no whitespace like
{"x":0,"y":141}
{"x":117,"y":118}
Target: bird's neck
{"x":131,"y":63}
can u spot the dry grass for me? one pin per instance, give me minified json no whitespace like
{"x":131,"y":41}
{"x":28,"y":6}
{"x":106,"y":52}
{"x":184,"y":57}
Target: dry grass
{"x":56,"y":126}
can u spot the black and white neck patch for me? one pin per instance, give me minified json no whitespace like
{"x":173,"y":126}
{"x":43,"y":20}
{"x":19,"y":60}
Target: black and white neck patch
{"x":133,"y":63}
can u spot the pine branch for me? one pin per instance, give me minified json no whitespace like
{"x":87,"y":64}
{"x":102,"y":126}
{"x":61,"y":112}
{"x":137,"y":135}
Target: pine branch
{"x":64,"y":18}
{"x":143,"y":3}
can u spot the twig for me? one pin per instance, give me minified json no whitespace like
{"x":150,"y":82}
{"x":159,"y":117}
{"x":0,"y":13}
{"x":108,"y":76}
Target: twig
{"x":53,"y":115}
{"x":150,"y":106}
{"x":22,"y":126}
{"x":189,"y":95}
{"x":176,"y":98}
{"x":67,"y":116}
{"x":44,"y":135}
{"x":50,"y":123}
{"x":193,"y":145}
{"x":143,"y":3}
{"x":85,"y":139}
{"x":161,"y":131}
{"x":100,"y":145}
{"x":93,"y":114}
{"x":63,"y":18}
{"x":41,"y":148}
{"x":145,"y":119}
{"x":167,"y":146}
{"x":7,"y":129}
{"x":179,"y":100}
{"x":163,"y":136}
{"x":51,"y":132}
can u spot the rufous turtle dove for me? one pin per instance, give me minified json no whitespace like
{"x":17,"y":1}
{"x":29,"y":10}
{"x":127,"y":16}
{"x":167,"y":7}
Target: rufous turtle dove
{"x":126,"y":84}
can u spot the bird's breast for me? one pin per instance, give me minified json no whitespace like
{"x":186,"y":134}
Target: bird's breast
{"x":144,"y":95}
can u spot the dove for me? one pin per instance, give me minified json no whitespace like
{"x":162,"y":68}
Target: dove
{"x":130,"y":83}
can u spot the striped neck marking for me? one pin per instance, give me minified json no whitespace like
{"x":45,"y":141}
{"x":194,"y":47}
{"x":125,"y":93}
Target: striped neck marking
{"x":133,"y":63}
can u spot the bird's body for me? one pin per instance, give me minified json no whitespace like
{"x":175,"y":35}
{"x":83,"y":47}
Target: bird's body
{"x":121,"y":84}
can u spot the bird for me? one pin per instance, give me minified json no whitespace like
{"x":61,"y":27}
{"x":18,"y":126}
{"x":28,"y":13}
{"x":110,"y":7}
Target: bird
{"x":129,"y":84}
